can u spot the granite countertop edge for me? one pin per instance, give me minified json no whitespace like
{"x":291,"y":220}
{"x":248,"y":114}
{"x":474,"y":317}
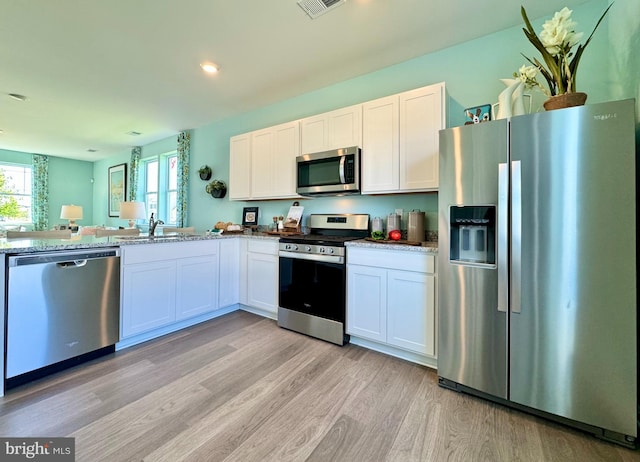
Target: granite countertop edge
{"x":430,"y":247}
{"x":12,"y":246}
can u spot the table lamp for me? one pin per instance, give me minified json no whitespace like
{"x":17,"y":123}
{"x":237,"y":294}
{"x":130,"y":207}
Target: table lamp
{"x":71,"y":213}
{"x":132,"y":210}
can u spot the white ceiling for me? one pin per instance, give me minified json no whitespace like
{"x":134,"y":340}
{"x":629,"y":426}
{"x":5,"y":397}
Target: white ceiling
{"x":94,"y":70}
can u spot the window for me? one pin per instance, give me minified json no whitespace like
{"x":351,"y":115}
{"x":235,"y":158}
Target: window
{"x":161,"y":186}
{"x":15,"y":193}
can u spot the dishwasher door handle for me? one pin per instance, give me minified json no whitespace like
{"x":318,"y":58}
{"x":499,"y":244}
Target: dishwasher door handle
{"x":72,"y":264}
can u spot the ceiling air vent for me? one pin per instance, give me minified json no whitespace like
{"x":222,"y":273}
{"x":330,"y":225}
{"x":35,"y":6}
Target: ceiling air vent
{"x":315,"y":8}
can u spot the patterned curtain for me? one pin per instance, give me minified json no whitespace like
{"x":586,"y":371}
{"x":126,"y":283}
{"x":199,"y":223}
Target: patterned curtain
{"x":134,"y":172}
{"x":184,"y":141}
{"x":40,"y":192}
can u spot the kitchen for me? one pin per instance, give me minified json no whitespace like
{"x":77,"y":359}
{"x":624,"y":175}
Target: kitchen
{"x":215,"y":138}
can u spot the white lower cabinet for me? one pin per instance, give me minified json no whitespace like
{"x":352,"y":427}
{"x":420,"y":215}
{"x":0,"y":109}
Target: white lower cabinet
{"x":148,"y":296}
{"x":391,"y":298}
{"x":166,"y":283}
{"x":259,"y":275}
{"x":229,"y":273}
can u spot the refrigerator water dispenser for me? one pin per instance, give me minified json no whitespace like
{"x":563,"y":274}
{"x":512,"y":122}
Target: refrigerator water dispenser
{"x":473,"y":230}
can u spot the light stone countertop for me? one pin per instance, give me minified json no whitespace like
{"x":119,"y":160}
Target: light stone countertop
{"x":426,"y":247}
{"x":88,"y":242}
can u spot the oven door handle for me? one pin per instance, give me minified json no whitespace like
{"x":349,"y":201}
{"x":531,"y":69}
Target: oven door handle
{"x":312,"y":257}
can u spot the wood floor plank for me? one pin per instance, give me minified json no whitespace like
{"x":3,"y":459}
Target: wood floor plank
{"x":238,"y":388}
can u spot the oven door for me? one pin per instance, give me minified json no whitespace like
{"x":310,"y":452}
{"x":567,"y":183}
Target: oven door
{"x":313,"y":287}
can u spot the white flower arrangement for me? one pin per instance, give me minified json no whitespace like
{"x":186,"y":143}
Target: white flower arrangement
{"x":555,"y":44}
{"x":527,"y":75}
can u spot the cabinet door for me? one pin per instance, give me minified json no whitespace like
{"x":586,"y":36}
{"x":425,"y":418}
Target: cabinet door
{"x":314,"y":134}
{"x":421,"y":118}
{"x":197,"y":286}
{"x":240,"y":167}
{"x":345,"y":127}
{"x":262,"y":167}
{"x":286,"y":147}
{"x":262,"y":281}
{"x":366,"y":302}
{"x":148,"y":296}
{"x":380,"y":146}
{"x":411,"y":311}
{"x":229,"y":272}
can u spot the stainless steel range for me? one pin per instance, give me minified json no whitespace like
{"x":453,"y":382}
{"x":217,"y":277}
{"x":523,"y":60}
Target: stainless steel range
{"x":313,"y":277}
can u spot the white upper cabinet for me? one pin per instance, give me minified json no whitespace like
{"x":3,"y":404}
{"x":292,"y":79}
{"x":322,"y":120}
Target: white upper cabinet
{"x":332,"y":130}
{"x":398,"y":135}
{"x":262,"y":164}
{"x":240,"y":167}
{"x":380,"y":163}
{"x":273,"y":161}
{"x":400,"y":141}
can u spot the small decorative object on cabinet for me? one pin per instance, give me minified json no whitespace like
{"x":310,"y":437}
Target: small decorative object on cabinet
{"x":555,"y":44}
{"x":475,"y":115}
{"x":217,"y":189}
{"x":250,"y":216}
{"x":205,"y":173}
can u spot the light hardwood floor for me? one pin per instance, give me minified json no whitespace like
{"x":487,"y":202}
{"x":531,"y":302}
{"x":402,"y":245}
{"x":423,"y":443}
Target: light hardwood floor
{"x":239,"y":388}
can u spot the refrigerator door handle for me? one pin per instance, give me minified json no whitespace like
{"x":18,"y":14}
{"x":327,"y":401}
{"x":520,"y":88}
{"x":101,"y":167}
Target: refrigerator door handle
{"x":516,"y":235}
{"x":503,"y":230}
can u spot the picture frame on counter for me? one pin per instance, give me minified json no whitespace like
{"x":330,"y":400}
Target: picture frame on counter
{"x":250,"y":216}
{"x":117,"y":184}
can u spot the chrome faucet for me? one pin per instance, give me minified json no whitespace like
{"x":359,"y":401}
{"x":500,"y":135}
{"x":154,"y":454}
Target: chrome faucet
{"x":152,"y":225}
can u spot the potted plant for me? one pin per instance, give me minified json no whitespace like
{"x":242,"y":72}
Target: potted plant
{"x":205,"y":173}
{"x":217,"y":188}
{"x":559,"y":64}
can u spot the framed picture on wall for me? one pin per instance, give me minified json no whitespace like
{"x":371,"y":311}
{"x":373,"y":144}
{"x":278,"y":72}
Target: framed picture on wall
{"x":250,"y":216}
{"x":117,"y":184}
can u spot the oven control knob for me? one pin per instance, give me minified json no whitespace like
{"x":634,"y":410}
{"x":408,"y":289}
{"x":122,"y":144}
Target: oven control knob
{"x":321,"y":250}
{"x":330,"y":250}
{"x":294,"y":247}
{"x":308,"y":248}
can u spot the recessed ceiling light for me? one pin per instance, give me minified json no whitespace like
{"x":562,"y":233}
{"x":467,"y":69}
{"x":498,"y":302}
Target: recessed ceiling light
{"x":92,"y":150}
{"x":134,"y":133}
{"x":209,"y":67}
{"x":18,"y":96}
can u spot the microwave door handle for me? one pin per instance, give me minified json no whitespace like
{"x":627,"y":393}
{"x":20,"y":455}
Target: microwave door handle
{"x":343,"y":180}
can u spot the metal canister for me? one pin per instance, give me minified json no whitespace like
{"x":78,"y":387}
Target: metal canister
{"x":415,"y":226}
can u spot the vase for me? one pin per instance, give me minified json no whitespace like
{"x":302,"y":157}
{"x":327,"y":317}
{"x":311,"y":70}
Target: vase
{"x":511,"y":99}
{"x":565,"y":100}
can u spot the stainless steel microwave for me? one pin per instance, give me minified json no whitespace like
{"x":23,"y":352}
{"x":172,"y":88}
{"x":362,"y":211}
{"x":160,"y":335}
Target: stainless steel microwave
{"x":329,"y":173}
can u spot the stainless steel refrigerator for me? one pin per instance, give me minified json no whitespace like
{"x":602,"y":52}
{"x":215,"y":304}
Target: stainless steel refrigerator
{"x":537,"y":265}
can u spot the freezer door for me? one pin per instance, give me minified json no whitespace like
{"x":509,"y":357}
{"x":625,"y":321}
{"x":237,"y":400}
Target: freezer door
{"x":472,"y":331}
{"x":573,"y":320}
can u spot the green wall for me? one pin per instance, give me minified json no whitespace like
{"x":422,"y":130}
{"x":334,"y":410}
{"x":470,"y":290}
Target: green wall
{"x":609,"y":70}
{"x":70,"y":182}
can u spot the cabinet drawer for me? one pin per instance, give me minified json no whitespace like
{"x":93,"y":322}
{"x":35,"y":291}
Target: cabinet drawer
{"x":144,"y":253}
{"x":268,"y":246}
{"x":392,"y":259}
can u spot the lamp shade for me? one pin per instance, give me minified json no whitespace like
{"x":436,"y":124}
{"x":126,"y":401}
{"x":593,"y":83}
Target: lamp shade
{"x":71,"y":212}
{"x":132,"y":210}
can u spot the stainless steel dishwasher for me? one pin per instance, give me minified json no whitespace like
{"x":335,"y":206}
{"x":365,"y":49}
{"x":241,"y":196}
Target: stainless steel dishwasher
{"x":60,"y":305}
